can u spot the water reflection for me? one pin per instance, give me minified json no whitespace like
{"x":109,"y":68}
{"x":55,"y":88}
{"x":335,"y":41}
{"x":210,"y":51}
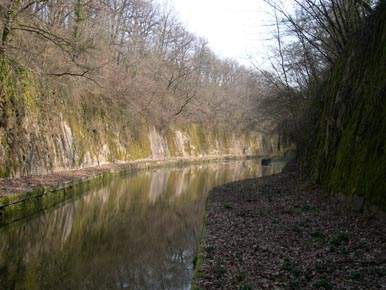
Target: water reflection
{"x":137,"y":232}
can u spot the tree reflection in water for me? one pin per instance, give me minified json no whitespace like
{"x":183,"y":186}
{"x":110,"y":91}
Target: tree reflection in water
{"x":137,"y":232}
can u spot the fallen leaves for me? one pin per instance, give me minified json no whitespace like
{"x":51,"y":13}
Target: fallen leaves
{"x":281,"y":232}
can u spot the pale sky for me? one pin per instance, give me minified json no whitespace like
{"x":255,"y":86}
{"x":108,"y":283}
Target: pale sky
{"x":234,"y":28}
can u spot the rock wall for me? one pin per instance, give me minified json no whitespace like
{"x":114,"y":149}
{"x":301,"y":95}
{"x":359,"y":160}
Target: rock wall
{"x":345,"y":150}
{"x":43,"y":131}
{"x":62,"y":151}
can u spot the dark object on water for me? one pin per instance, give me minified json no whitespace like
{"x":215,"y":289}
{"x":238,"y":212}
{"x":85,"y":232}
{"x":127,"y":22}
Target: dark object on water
{"x":266,"y":162}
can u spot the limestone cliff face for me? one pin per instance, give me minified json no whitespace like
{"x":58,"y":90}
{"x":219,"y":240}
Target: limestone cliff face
{"x":41,"y":131}
{"x":62,"y":151}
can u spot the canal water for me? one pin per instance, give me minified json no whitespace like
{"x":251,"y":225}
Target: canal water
{"x":136,"y":232}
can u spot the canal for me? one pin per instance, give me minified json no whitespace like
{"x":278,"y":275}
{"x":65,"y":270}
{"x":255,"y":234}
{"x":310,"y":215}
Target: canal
{"x":136,"y":232}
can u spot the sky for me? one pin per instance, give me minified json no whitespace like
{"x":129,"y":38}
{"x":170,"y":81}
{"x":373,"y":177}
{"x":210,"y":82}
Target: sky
{"x":238,"y":29}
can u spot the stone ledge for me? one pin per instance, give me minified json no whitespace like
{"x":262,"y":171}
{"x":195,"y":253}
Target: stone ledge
{"x":24,"y":196}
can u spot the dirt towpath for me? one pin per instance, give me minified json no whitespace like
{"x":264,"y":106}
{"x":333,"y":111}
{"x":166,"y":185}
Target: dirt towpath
{"x":281,"y":232}
{"x":10,"y":186}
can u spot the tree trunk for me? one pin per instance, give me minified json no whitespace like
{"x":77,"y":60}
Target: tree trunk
{"x":7,"y":26}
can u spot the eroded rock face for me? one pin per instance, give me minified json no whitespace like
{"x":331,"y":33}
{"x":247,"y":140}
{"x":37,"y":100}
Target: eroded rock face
{"x":182,"y":143}
{"x":30,"y":146}
{"x":67,"y":142}
{"x":67,"y":150}
{"x":39,"y":134}
{"x":158,"y":145}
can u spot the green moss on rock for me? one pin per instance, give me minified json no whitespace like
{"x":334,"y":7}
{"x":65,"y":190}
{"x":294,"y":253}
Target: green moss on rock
{"x":348,"y":149}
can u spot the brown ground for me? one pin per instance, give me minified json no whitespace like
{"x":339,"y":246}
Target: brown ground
{"x":9,"y":186}
{"x":281,"y":232}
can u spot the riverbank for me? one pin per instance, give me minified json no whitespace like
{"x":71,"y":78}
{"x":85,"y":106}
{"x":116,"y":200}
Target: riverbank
{"x":23,"y":196}
{"x":282,"y":232}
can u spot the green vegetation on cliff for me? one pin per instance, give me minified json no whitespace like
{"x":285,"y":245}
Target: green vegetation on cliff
{"x":347,"y":148}
{"x":46,"y":126}
{"x":329,"y":92}
{"x":18,"y":104}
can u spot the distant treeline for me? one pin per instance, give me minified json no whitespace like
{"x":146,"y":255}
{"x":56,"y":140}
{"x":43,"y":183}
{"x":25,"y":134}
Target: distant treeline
{"x":136,"y":56}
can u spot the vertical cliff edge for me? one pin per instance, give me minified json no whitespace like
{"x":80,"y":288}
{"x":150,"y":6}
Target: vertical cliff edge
{"x":44,"y":129}
{"x":345,"y":149}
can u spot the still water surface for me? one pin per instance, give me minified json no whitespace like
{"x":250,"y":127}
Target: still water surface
{"x":137,"y":232}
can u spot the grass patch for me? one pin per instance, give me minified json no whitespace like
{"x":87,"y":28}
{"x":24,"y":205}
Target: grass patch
{"x":339,"y":239}
{"x":245,"y":287}
{"x":227,"y":205}
{"x":309,"y":208}
{"x":355,"y":275}
{"x":198,"y":258}
{"x":318,"y":236}
{"x":323,"y":283}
